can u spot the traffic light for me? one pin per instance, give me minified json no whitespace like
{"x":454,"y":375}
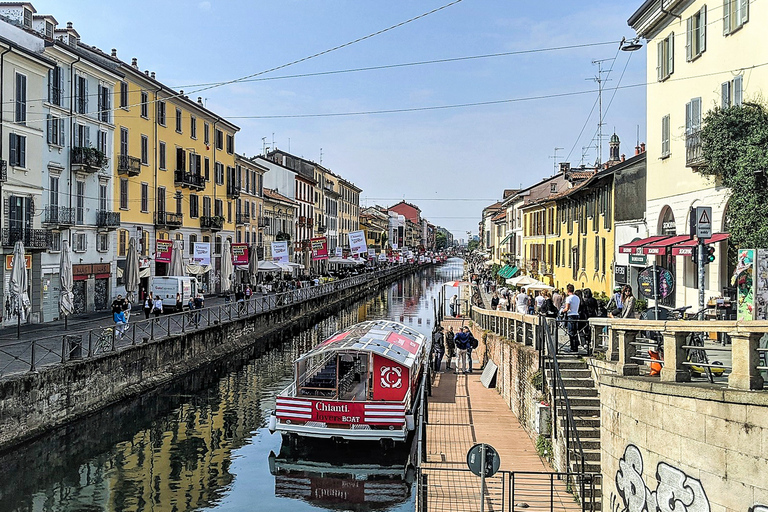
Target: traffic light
{"x":709,"y":254}
{"x":695,"y":255}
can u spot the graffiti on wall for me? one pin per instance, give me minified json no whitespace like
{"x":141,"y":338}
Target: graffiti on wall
{"x":675,"y":490}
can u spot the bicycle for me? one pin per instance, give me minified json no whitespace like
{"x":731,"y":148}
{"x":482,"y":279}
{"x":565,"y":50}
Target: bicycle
{"x":103,"y":342}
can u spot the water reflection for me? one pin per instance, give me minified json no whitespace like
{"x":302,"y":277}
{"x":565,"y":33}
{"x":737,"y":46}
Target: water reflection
{"x":200,"y":442}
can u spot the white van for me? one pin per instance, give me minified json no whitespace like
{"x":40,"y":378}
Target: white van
{"x":166,"y":287}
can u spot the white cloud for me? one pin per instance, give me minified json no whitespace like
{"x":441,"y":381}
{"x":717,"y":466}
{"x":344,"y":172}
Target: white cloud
{"x":204,"y":6}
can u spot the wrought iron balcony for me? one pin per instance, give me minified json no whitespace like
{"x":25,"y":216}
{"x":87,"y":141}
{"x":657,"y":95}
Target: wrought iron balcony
{"x":31,"y":238}
{"x":3,"y":171}
{"x":320,"y":228}
{"x":168,"y":220}
{"x":128,"y":165}
{"x":107,"y":219}
{"x":215,"y":223}
{"x":694,"y":157}
{"x":233,"y":192}
{"x":59,"y":216}
{"x":188,"y":179}
{"x":242,"y":218}
{"x":87,"y":159}
{"x":263,"y":222}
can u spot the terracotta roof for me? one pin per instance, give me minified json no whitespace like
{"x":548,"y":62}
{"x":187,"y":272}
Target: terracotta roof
{"x":499,"y":216}
{"x":581,"y":175}
{"x":272,"y":194}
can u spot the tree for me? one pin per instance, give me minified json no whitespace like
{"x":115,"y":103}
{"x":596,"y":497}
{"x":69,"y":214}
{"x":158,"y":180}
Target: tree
{"x":735,"y":147}
{"x":472,"y":245}
{"x":440,"y":240}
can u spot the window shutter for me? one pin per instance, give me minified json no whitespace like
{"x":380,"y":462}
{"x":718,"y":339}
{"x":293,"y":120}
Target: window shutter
{"x":22,"y":151}
{"x":703,"y":29}
{"x":50,"y":86}
{"x":738,"y":82}
{"x":689,"y":35}
{"x":12,"y":154}
{"x":727,"y":16}
{"x":743,"y":11}
{"x":85,"y":95}
{"x":61,"y":132}
{"x":671,"y":55}
{"x":77,"y":94}
{"x":696,"y":114}
{"x":659,"y":60}
{"x":725,"y":95}
{"x":50,"y":126}
{"x":100,"y":100}
{"x":87,"y":135}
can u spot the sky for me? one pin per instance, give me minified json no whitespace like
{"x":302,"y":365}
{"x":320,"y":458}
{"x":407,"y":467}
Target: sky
{"x":451,"y":162}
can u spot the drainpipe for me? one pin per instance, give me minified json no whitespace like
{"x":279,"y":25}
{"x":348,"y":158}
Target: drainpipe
{"x":71,"y":132}
{"x":2,"y":63}
{"x":157,"y":164}
{"x":213,"y":237}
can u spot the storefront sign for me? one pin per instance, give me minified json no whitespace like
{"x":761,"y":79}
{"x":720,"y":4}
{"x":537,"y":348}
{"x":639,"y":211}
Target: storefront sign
{"x":201,"y":253}
{"x":82,"y":270}
{"x":357,"y":243}
{"x":319,"y":248}
{"x":240,"y":254}
{"x":338,"y":412}
{"x":620,"y":274}
{"x":280,"y":252}
{"x":636,"y":259}
{"x":163,"y":249}
{"x":9,"y":261}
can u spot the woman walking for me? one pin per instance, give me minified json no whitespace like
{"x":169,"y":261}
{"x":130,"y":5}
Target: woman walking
{"x":450,"y":347}
{"x":148,"y":303}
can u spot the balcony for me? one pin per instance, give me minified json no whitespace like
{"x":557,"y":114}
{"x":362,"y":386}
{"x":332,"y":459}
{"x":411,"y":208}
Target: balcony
{"x":87,"y":159}
{"x":320,"y":228}
{"x":59,"y":216}
{"x":263,"y":222}
{"x":233,"y":192}
{"x":106,"y":219}
{"x":3,"y":171}
{"x":128,"y":165}
{"x":31,"y":238}
{"x":693,"y":154}
{"x":242,"y":219}
{"x":188,"y":179}
{"x":168,"y":220}
{"x":212,"y":223}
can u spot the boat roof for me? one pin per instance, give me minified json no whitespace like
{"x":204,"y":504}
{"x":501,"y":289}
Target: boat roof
{"x":392,"y":340}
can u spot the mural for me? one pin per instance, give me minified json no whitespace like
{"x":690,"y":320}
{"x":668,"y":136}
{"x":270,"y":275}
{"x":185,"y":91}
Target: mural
{"x":675,"y":491}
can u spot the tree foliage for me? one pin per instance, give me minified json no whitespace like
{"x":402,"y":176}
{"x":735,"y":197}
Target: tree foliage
{"x":735,"y":147}
{"x":441,"y":241}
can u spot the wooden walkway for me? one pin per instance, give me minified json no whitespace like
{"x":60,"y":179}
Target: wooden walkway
{"x":462,"y":412}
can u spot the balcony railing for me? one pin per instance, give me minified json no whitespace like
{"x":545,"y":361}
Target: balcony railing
{"x":242,"y":218}
{"x":59,"y":216}
{"x":233,"y":192}
{"x":107,"y":219}
{"x":188,"y":179}
{"x":169,"y":220}
{"x":320,"y":228}
{"x":694,"y":157}
{"x":87,"y":159}
{"x":263,"y":222}
{"x":212,"y":223}
{"x":31,"y":238}
{"x":128,"y":165}
{"x":3,"y":171}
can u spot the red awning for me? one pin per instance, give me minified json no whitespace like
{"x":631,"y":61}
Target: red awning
{"x":686,"y":248}
{"x":634,"y":246}
{"x":660,"y":247}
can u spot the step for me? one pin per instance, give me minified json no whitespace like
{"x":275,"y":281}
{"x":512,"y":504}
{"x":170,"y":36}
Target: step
{"x":587,"y":433}
{"x":575,"y":364}
{"x":589,"y":422}
{"x":578,"y":383}
{"x":572,"y":374}
{"x":589,"y":467}
{"x":580,"y":412}
{"x":591,"y":392}
{"x":584,"y":401}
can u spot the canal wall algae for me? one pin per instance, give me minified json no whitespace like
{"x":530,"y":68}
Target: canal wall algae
{"x":36,"y":402}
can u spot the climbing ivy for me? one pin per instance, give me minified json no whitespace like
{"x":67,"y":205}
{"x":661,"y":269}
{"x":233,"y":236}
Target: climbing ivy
{"x":735,"y":147}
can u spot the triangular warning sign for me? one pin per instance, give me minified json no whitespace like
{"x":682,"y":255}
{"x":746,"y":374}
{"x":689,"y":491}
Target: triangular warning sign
{"x":704,"y":218}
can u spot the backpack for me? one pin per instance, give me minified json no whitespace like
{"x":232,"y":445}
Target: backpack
{"x":472,"y":341}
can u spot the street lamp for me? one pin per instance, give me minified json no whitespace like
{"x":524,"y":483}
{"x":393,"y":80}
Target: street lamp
{"x":630,"y":45}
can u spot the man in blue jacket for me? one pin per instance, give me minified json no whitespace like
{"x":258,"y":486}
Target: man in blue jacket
{"x":463,"y":345}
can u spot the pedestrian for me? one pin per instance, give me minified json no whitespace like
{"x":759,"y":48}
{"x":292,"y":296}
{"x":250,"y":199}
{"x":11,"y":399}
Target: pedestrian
{"x":494,"y":301}
{"x":454,"y":303}
{"x":589,"y":311}
{"x":117,"y":304}
{"x":473,"y":343}
{"x":126,"y":308}
{"x":191,"y":308}
{"x":157,"y":307}
{"x":462,"y":346}
{"x":199,"y":303}
{"x":521,"y":302}
{"x":438,"y":345}
{"x":179,"y":303}
{"x":557,"y":299}
{"x":120,"y":323}
{"x":248,"y":292}
{"x":548,"y":308}
{"x":240,"y":299}
{"x":450,"y":347}
{"x":540,"y":298}
{"x":571,"y":311}
{"x":147,"y":305}
{"x":615,"y":305}
{"x":628,"y":300}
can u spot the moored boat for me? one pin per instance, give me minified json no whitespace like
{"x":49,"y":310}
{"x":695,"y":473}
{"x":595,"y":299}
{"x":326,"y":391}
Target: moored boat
{"x":360,"y":384}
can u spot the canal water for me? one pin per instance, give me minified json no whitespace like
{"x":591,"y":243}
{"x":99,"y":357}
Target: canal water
{"x":201,"y":443}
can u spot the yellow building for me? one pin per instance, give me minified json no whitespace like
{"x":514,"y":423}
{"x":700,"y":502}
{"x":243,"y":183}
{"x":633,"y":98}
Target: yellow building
{"x":539,"y":238}
{"x":175,"y":163}
{"x":249,"y":207}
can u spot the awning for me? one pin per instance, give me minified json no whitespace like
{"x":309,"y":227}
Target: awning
{"x":634,"y":246}
{"x":506,"y":238}
{"x":503,"y":270}
{"x":659,"y":248}
{"x":686,"y":248}
{"x":512,"y":272}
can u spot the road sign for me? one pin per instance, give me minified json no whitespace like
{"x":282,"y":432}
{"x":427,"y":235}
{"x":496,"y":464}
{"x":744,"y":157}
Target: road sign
{"x":475,"y":462}
{"x":703,"y":216}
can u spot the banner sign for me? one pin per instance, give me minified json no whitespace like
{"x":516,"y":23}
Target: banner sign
{"x":163,"y":249}
{"x":339,"y":252}
{"x":201,"y":253}
{"x":9,"y":261}
{"x":394,"y":246}
{"x":280,"y":252}
{"x":357,"y":243}
{"x":372,"y":253}
{"x":319,"y":248}
{"x":382,"y":257}
{"x":240,"y":254}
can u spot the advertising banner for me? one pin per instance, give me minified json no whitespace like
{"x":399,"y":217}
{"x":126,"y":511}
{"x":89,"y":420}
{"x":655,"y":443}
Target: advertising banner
{"x":339,"y":252}
{"x":390,"y":380}
{"x":163,"y":249}
{"x":382,"y":257}
{"x":357,"y":243}
{"x":280,"y":252}
{"x":319,"y":248}
{"x":394,"y":246}
{"x":744,"y":278}
{"x":201,"y":253}
{"x":372,"y":253}
{"x":240,"y":254}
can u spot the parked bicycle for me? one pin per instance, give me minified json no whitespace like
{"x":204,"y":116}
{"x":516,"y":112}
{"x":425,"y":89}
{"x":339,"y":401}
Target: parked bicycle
{"x":103,"y":341}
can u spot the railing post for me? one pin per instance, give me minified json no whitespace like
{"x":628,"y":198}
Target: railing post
{"x":674,"y":354}
{"x":32,"y":358}
{"x":612,"y":352}
{"x":745,"y":357}
{"x":626,"y":365}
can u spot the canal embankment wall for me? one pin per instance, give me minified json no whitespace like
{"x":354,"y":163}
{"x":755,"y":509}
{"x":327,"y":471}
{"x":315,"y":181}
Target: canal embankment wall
{"x":36,"y":402}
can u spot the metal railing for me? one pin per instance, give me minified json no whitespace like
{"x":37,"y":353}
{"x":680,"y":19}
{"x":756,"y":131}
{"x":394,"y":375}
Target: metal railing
{"x":107,"y":219}
{"x":168,"y":219}
{"x":128,"y":165}
{"x":31,"y":238}
{"x":90,"y":159}
{"x":213,"y":223}
{"x":694,"y":156}
{"x":188,"y":179}
{"x":59,"y":215}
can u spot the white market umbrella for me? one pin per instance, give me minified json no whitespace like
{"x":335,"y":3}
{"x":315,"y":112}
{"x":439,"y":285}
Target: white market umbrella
{"x":522,"y":281}
{"x":269,"y":266}
{"x":341,"y":261}
{"x":538,"y":286}
{"x":18,"y":285}
{"x":66,"y":297}
{"x":131,"y":274}
{"x":253,"y":264}
{"x":227,"y":269}
{"x":177,"y":259}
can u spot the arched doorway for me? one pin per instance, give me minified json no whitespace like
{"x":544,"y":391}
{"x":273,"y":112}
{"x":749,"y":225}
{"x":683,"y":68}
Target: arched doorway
{"x":667,"y":226}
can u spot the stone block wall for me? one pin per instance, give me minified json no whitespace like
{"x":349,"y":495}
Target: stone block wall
{"x":661,"y":442}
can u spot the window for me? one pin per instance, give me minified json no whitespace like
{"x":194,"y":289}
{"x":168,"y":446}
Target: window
{"x":55,"y":241}
{"x":101,"y":141}
{"x":80,"y":242}
{"x":230,"y":144}
{"x":665,"y":152}
{"x":732,"y":92}
{"x":179,"y":198}
{"x":597,"y":253}
{"x":207,"y":169}
{"x":55,"y":130}
{"x":181,"y":159}
{"x":194,"y":205}
{"x":49,"y":30}
{"x":696,"y":34}
{"x":219,"y":139}
{"x":56,"y":85}
{"x":144,"y":105}
{"x":123,"y":193}
{"x":206,"y":206}
{"x":21,"y":98}
{"x":161,"y":199}
{"x":145,"y":197}
{"x":53,"y":194}
{"x":603,"y":255}
{"x":193,"y":127}
{"x":219,"y":173}
{"x":206,"y":133}
{"x":17,"y":150}
{"x":82,"y":135}
{"x":219,"y":208}
{"x":81,"y":95}
{"x":145,"y":150}
{"x":103,"y":197}
{"x":161,"y":113}
{"x":229,"y":211}
{"x":735,"y":15}
{"x":584,"y":253}
{"x":665,"y":53}
{"x":27,"y":18}
{"x":217,"y":246}
{"x":162,"y":156}
{"x":144,"y":243}
{"x":124,"y":95}
{"x":102,"y":242}
{"x":178,"y":120}
{"x":122,"y":242}
{"x":192,"y":242}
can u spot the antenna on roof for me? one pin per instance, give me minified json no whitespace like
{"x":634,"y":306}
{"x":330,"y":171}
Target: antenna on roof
{"x":321,"y":156}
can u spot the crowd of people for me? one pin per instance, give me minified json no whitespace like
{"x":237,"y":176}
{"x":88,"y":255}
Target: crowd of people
{"x":447,"y":344}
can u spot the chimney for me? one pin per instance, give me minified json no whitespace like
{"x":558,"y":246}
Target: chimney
{"x":181,"y":92}
{"x":146,"y":72}
{"x":637,"y":150}
{"x":199,"y":100}
{"x":152,"y":75}
{"x":135,"y":63}
{"x":69,"y":24}
{"x":114,"y":52}
{"x":623,"y":157}
{"x":642,"y":147}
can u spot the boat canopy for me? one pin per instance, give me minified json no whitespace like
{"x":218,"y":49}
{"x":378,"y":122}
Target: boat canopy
{"x":392,"y":340}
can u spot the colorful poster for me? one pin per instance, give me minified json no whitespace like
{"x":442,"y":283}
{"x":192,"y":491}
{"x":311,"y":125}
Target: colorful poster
{"x":394,"y":246}
{"x":743,"y":279}
{"x":280,"y":252}
{"x":372,"y":253}
{"x":319,"y":248}
{"x":357,"y":243}
{"x":240,"y":254}
{"x":201,"y":253}
{"x":761,"y":285}
{"x":163,"y":249}
{"x":339,"y":252}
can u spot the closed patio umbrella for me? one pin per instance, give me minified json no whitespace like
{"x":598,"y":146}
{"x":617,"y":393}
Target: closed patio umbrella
{"x":253,"y":264}
{"x":18,"y":285}
{"x":66,"y":297}
{"x":177,"y":259}
{"x":131,"y":274}
{"x":226,"y":267}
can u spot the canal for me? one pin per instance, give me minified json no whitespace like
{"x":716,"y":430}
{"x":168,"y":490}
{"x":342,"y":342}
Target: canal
{"x":201,"y":443}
